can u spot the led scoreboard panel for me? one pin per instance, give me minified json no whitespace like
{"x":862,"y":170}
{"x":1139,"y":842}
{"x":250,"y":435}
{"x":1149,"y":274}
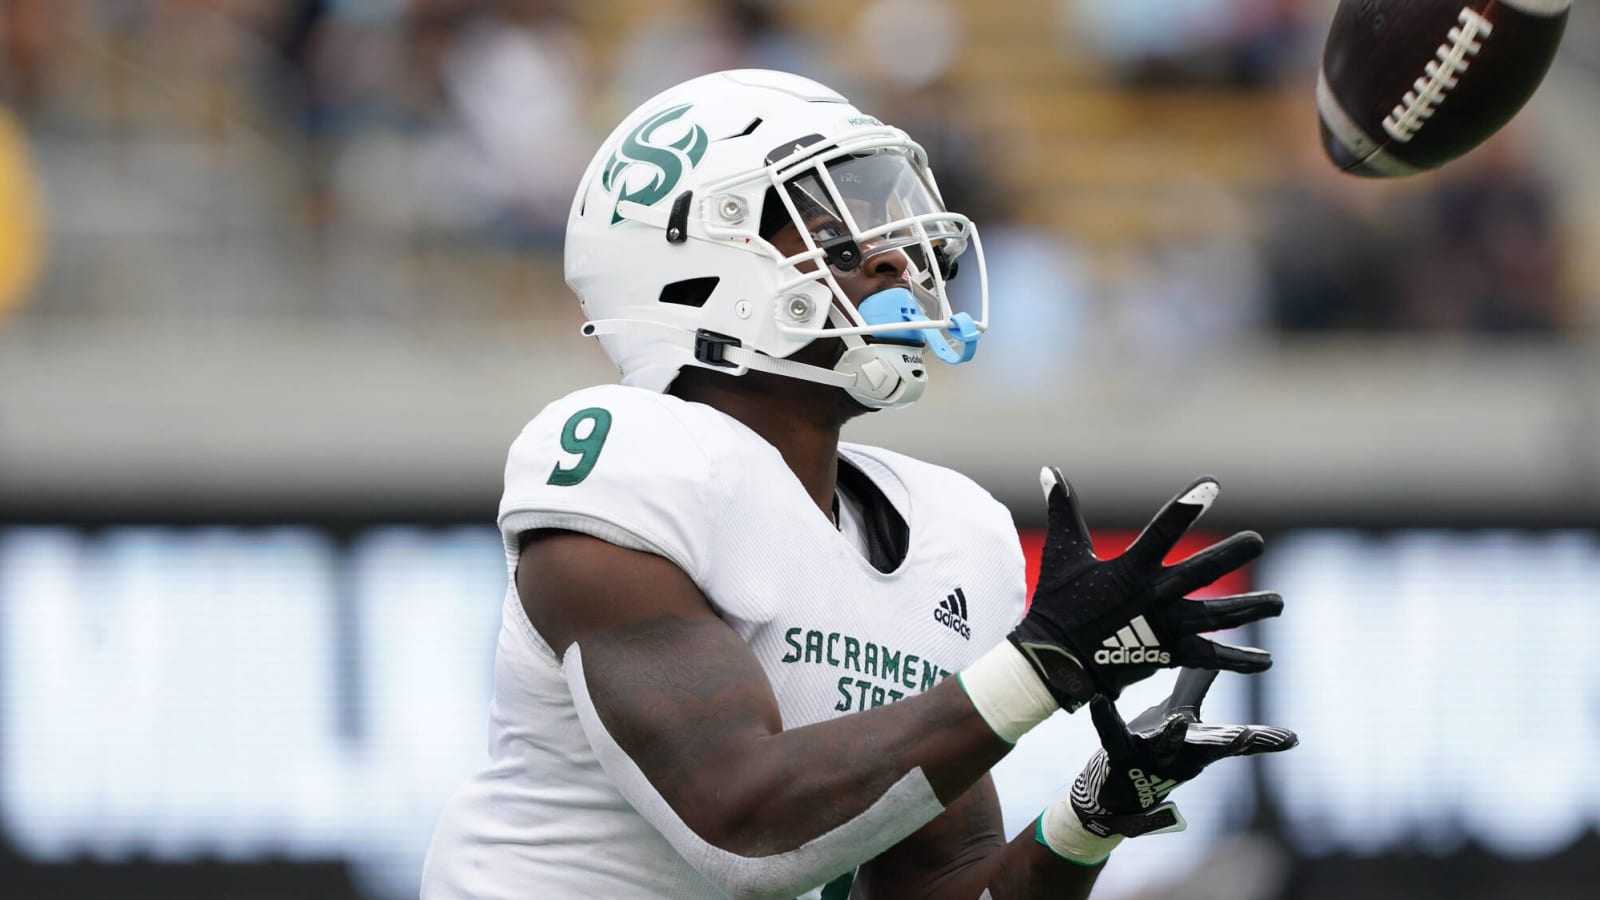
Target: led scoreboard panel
{"x":243,"y":694}
{"x":1446,"y":688}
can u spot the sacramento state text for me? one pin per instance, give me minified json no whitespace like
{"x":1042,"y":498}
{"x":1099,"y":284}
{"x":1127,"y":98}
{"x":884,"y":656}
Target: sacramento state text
{"x":893,"y":673}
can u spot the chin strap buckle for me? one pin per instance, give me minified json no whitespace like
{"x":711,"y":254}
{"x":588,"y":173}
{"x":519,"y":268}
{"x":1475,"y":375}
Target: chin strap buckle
{"x":710,"y":348}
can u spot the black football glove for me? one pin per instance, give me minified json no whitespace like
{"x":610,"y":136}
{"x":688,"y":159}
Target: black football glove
{"x":1097,"y":626}
{"x":1124,"y":787}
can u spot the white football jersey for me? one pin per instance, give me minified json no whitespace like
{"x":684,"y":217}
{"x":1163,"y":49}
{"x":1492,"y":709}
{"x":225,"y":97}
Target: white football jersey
{"x":834,"y":634}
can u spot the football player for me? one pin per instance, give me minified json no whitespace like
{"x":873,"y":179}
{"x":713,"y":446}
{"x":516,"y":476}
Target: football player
{"x":741,"y":657}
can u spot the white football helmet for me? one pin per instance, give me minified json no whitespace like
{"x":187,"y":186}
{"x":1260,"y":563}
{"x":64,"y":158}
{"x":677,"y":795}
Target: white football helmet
{"x":667,"y":241}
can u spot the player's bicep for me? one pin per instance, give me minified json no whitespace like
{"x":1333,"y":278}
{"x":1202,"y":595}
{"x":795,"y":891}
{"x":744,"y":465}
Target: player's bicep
{"x":946,"y":857}
{"x":577,"y":587}
{"x":672,"y":685}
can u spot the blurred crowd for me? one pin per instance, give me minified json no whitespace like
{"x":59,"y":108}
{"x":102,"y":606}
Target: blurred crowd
{"x":1146,"y":172}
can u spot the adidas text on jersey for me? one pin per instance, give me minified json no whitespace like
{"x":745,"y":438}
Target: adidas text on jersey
{"x":952,"y":613}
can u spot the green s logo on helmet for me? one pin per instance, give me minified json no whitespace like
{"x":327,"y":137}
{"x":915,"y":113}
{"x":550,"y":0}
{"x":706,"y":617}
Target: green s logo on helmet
{"x":670,"y":161}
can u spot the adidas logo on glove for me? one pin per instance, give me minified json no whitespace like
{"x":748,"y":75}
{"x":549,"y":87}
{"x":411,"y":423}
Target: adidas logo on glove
{"x":1150,"y":789}
{"x":1134,"y":643}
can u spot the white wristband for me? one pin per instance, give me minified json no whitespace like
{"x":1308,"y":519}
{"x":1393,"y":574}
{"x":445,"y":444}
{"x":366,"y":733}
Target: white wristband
{"x":1062,"y":831}
{"x":1007,"y":692}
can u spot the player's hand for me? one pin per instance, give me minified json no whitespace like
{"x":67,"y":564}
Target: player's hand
{"x":1097,"y":626}
{"x":1124,"y":787}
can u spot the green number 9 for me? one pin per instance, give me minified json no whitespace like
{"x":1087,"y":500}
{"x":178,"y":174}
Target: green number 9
{"x":587,"y":447}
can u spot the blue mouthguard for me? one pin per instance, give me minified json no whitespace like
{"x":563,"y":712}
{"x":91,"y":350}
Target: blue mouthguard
{"x":897,"y":305}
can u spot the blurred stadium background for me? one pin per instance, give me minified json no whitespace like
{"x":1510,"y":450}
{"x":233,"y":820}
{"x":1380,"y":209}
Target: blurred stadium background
{"x":280,"y":280}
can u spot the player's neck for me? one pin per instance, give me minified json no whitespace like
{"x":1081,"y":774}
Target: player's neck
{"x":801,"y":420}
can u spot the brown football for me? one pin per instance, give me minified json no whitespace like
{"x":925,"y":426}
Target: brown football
{"x":1408,"y":85}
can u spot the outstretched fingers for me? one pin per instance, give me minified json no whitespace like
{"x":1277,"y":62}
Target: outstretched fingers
{"x":1190,"y":691}
{"x":1197,"y":652}
{"x":1240,"y":740}
{"x":1112,"y":730}
{"x":1209,"y":564}
{"x":1168,"y":741}
{"x":1170,"y":524}
{"x":1194,"y":616}
{"x":1067,"y":536}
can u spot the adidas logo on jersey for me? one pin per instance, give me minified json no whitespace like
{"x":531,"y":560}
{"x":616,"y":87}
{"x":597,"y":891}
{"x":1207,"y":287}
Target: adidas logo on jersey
{"x":952,"y":613}
{"x":1134,"y":643}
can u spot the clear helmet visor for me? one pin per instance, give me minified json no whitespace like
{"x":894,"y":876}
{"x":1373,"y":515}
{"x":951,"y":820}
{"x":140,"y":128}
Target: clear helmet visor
{"x":853,"y":209}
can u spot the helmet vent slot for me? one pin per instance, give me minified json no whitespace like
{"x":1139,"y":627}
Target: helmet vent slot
{"x":690,"y":291}
{"x":792,"y":148}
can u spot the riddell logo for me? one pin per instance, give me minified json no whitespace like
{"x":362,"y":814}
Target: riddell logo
{"x":952,"y":613}
{"x":1133,"y":644}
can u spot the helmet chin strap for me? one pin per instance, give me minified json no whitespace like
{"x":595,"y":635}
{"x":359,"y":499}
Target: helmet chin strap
{"x":876,"y":375}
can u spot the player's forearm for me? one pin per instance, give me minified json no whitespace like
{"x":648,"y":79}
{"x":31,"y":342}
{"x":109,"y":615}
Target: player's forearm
{"x":1025,"y":869}
{"x":806,"y":780}
{"x":961,"y":855}
{"x":685,"y":702}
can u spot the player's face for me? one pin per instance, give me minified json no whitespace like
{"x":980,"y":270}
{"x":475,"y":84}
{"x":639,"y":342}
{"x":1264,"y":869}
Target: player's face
{"x":882,"y":204}
{"x":882,"y":267}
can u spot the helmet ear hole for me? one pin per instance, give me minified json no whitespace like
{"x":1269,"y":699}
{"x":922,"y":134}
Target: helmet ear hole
{"x":690,"y":291}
